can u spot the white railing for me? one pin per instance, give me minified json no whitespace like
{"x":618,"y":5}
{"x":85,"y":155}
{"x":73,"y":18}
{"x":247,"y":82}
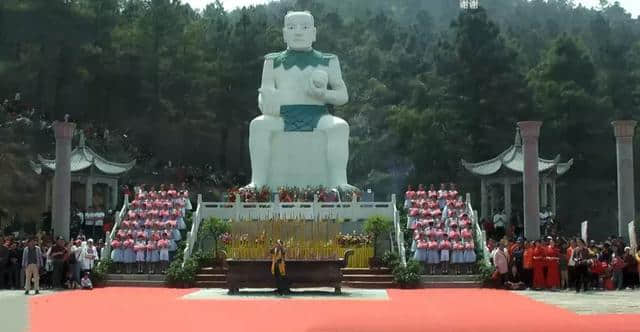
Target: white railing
{"x":192,"y":236}
{"x":240,"y":211}
{"x":481,"y":235}
{"x":118,"y":218}
{"x":399,"y":234}
{"x":315,"y":210}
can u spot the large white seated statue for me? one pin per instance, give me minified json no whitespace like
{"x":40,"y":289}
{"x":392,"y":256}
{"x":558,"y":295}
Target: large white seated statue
{"x":296,"y":142}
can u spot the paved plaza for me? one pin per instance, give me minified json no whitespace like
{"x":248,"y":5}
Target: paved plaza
{"x":321,"y":310}
{"x":306,"y":294}
{"x":618,"y":302}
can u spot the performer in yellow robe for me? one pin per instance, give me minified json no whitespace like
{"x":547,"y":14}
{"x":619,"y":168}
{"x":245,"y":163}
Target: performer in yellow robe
{"x":278,"y":267}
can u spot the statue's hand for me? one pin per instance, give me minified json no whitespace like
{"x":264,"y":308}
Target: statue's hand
{"x":317,"y":93}
{"x":268,"y":98}
{"x":318,"y":84}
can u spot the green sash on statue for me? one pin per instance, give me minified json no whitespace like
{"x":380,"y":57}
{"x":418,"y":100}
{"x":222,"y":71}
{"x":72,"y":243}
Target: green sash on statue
{"x":302,"y":60}
{"x":302,"y":117}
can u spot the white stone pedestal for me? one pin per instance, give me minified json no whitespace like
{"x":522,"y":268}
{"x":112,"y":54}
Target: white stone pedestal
{"x":624,"y":130}
{"x":298,"y":159}
{"x":61,"y":208}
{"x":530,"y":131}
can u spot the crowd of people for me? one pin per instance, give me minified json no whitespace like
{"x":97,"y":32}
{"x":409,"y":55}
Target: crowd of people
{"x":557,"y":263}
{"x":41,"y":263}
{"x":441,"y":225}
{"x":148,"y":236}
{"x":290,"y":194}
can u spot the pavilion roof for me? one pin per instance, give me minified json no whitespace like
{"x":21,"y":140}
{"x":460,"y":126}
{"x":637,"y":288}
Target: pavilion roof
{"x":512,"y":160}
{"x":83,"y":157}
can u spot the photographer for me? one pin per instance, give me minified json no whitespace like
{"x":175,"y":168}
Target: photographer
{"x":582,"y":260}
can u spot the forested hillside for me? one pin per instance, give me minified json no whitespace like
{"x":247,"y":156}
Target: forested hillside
{"x":429,"y":83}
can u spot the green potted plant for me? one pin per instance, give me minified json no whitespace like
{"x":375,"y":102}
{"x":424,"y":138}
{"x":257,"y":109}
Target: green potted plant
{"x":409,"y":276}
{"x":100,"y":272}
{"x":377,"y":226}
{"x":214,"y":228}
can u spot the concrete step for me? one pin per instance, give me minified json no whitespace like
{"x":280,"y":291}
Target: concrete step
{"x":370,"y":284}
{"x":452,"y":284}
{"x":212,"y":270}
{"x":211,"y":284}
{"x":211,"y":277}
{"x":367,"y":277}
{"x":347,"y":271}
{"x":134,"y":283}
{"x":136,"y":277}
{"x":449,"y":277}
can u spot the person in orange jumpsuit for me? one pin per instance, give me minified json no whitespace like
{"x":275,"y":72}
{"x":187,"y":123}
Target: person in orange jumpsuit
{"x":539,"y":262}
{"x":553,"y":259}
{"x":527,"y":263}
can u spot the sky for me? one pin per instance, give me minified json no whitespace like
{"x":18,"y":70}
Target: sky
{"x":632,"y":6}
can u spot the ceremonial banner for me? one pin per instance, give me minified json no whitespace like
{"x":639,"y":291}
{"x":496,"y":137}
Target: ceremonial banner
{"x":632,"y":236}
{"x":583,"y":231}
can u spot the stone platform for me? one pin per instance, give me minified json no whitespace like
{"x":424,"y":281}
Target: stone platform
{"x":135,"y":280}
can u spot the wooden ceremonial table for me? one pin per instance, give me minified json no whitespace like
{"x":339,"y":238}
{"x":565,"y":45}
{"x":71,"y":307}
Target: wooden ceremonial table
{"x":256,"y":273}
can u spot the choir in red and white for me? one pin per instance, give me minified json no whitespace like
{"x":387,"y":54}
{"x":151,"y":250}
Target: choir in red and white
{"x":148,"y":236}
{"x":442,"y":229}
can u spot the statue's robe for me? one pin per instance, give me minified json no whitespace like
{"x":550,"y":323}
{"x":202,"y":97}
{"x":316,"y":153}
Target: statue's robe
{"x":301,"y":117}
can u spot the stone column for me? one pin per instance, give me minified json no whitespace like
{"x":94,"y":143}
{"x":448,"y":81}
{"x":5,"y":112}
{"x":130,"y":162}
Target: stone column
{"x":507,"y":200}
{"x":483,"y":198}
{"x":492,"y":200}
{"x":544,"y":198}
{"x":624,"y":131}
{"x":114,"y":195}
{"x":88,"y":193}
{"x":47,"y":195}
{"x":553,"y":197}
{"x":61,"y":207}
{"x":530,"y":131}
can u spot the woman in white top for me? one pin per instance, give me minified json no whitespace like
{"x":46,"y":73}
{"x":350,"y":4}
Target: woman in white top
{"x":88,"y":256}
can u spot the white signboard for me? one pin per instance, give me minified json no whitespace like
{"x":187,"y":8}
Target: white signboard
{"x":583,"y":231}
{"x":633,"y":242}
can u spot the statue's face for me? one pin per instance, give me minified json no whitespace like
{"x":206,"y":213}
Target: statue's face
{"x":299,"y":31}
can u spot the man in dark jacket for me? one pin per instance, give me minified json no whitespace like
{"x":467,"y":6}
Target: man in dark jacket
{"x":4,"y":262}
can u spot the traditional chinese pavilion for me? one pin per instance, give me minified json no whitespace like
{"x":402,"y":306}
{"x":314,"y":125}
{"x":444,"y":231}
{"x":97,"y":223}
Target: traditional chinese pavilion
{"x":507,"y":168}
{"x":88,"y":169}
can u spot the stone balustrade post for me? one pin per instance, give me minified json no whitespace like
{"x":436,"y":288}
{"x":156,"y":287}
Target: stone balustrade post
{"x":624,"y":131}
{"x":530,"y":132}
{"x":61,"y":208}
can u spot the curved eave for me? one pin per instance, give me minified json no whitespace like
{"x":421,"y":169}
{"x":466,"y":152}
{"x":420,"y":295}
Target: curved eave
{"x":564,"y":167}
{"x":105,"y":166}
{"x":487,"y":167}
{"x":512,"y":160}
{"x":84,"y":157}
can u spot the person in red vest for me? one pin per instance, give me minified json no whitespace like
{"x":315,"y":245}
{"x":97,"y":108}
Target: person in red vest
{"x":539,"y":258}
{"x":553,"y":260}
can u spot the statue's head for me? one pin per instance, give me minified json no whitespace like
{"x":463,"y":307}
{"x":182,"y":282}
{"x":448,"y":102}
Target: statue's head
{"x":299,"y":31}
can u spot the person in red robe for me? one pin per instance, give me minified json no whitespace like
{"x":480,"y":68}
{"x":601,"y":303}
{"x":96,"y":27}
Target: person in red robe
{"x":553,"y":260}
{"x":539,"y":258}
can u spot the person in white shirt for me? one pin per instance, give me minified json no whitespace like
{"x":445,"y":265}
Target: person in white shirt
{"x":89,"y":220}
{"x":499,"y":223}
{"x":99,"y":221}
{"x":500,"y":258}
{"x":86,"y":282}
{"x":88,"y":256}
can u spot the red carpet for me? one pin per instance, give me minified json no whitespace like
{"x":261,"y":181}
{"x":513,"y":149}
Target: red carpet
{"x":159,"y":310}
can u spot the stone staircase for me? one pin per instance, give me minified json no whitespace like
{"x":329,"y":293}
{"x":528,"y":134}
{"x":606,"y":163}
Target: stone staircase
{"x":451,"y":281}
{"x":135,"y":280}
{"x":215,"y":277}
{"x":368,"y":278}
{"x":211,"y":277}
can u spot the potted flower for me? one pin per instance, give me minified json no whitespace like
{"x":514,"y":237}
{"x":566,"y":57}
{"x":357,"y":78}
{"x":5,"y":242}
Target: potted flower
{"x":377,"y":226}
{"x":219,"y":231}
